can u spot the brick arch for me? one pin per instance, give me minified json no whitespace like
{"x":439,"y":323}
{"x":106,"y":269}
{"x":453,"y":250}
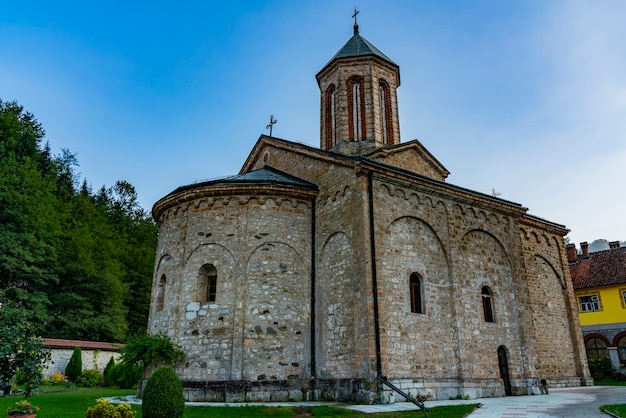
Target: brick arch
{"x":330,"y":115}
{"x":618,"y":337}
{"x":360,"y":112}
{"x":386,"y":112}
{"x":600,"y":336}
{"x":336,"y":287}
{"x":484,"y":261}
{"x":547,"y":302}
{"x":554,"y":270}
{"x":276,"y":314}
{"x":412,"y":247}
{"x":487,"y":237}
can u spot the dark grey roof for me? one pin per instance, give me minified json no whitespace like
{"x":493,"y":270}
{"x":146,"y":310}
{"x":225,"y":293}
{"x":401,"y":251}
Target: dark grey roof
{"x":270,"y":175}
{"x":358,"y":46}
{"x":265,"y":175}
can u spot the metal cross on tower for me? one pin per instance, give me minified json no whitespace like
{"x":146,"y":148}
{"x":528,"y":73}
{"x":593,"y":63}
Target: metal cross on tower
{"x":356,"y":12}
{"x":272,"y":123}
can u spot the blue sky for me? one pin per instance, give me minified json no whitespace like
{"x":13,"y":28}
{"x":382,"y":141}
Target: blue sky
{"x":524,"y":97}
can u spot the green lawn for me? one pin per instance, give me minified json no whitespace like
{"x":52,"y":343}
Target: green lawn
{"x":617,"y":410}
{"x":74,"y":403}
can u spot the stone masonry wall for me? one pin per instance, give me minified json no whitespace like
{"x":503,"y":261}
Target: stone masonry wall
{"x":457,"y":249}
{"x":345,"y":346}
{"x":258,"y":327}
{"x":91,"y":360}
{"x":551,"y":295}
{"x":410,"y":160}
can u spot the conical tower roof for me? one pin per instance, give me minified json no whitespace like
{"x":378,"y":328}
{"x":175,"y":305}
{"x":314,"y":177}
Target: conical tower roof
{"x":358,"y":46}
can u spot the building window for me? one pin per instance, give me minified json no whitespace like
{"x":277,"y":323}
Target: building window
{"x":596,"y":348}
{"x":356,"y":108}
{"x":487,"y":305}
{"x":386,"y":118}
{"x":161,"y":293}
{"x":415,"y":286}
{"x":589,"y":303}
{"x":623,"y":297}
{"x":329,"y":117}
{"x":207,"y":283}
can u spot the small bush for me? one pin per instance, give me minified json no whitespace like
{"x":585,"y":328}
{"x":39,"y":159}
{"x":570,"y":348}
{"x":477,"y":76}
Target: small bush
{"x":89,"y":379}
{"x":109,"y":373}
{"x":104,"y":409}
{"x":601,"y":368}
{"x":55,"y":379}
{"x":74,"y":367}
{"x":163,"y":396}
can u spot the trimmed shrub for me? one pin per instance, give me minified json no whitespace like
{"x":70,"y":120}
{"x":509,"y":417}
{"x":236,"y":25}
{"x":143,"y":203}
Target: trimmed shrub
{"x":108,"y":374}
{"x":74,"y":367}
{"x":104,"y":409}
{"x":163,"y":396}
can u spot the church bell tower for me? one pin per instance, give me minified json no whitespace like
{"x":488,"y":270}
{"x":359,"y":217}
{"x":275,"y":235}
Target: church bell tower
{"x":359,"y":102}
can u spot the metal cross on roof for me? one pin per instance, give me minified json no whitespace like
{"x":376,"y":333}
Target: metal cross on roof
{"x":272,"y":123}
{"x":356,"y":12}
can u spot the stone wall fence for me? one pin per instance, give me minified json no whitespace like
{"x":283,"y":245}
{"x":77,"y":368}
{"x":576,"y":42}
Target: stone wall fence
{"x":95,"y":355}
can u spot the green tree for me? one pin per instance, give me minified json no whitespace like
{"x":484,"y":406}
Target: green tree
{"x":137,"y":235}
{"x":81,"y":263}
{"x":146,"y":353}
{"x":74,"y":367}
{"x":28,"y":217}
{"x":109,"y":373}
{"x":20,"y":347}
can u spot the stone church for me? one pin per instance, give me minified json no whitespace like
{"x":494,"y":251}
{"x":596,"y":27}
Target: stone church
{"x":316,"y":270}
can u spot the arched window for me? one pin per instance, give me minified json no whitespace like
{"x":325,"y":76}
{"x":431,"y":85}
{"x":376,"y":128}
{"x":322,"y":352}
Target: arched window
{"x":161,"y":293}
{"x":356,"y":108}
{"x":487,"y":305}
{"x":207,"y":283}
{"x":329,"y":117}
{"x":386,"y":118}
{"x":415,"y":286}
{"x":596,"y":348}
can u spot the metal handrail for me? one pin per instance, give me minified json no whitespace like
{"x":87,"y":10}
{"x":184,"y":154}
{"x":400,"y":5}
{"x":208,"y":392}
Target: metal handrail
{"x":383,"y":380}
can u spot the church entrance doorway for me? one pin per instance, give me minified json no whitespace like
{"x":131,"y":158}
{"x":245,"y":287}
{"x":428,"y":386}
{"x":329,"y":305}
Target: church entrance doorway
{"x":503,"y":364}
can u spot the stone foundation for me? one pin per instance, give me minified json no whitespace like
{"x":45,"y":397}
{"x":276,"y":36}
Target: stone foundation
{"x":362,"y":391}
{"x":292,"y":390}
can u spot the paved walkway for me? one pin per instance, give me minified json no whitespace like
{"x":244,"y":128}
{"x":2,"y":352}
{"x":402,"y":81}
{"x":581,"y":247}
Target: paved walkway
{"x":584,"y":401}
{"x":578,"y":402}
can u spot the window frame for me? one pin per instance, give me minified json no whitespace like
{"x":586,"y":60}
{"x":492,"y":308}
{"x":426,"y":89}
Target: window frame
{"x":605,"y":349}
{"x":416,"y":285}
{"x":486,"y":295}
{"x":584,"y":305}
{"x":160,"y":304}
{"x":207,"y":283}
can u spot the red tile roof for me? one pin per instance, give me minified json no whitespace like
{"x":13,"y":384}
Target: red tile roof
{"x":87,"y":345}
{"x":602,"y":268}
